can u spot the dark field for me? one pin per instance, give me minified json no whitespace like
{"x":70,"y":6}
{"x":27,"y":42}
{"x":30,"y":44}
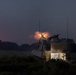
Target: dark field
{"x":28,"y":65}
{"x":13,"y":53}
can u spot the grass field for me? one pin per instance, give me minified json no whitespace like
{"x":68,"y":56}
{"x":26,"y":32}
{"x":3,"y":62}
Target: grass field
{"x":28,"y":65}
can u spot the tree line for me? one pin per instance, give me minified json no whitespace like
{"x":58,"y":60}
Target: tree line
{"x":5,"y":45}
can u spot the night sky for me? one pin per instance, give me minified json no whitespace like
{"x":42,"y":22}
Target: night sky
{"x":19,"y":19}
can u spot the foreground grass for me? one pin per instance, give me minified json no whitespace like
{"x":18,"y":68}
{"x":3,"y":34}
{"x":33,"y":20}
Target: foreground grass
{"x":15,"y":65}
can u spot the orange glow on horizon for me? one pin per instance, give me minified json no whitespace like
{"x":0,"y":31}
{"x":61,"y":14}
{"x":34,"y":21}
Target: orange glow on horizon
{"x":39,"y":35}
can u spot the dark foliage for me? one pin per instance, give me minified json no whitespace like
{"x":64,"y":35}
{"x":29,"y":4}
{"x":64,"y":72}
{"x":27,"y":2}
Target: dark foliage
{"x":13,"y":46}
{"x":15,"y":65}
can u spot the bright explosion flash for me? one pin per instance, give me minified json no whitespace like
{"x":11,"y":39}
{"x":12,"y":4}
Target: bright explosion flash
{"x":38,"y":35}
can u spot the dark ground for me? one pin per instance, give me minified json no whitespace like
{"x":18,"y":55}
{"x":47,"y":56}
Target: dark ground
{"x":28,"y":65}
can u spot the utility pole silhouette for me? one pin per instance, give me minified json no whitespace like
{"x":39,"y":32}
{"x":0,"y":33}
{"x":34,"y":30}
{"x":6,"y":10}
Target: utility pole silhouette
{"x":67,"y":29}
